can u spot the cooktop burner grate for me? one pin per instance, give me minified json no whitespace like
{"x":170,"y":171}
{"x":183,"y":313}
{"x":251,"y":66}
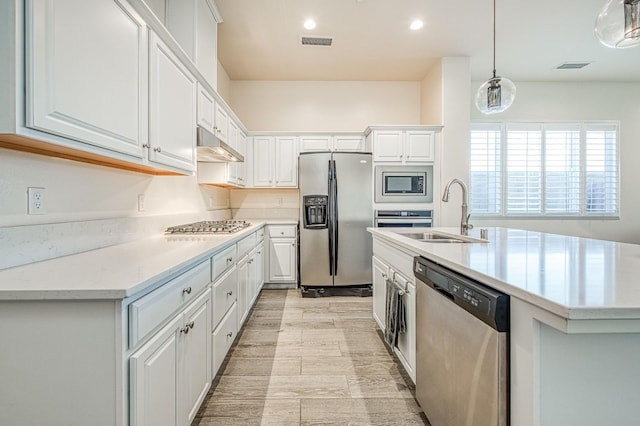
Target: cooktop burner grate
{"x":209,"y":227}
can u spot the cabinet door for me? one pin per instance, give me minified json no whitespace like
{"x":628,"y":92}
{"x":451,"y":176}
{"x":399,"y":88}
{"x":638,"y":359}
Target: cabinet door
{"x":282,"y":260}
{"x":232,"y":140}
{"x":387,"y":145}
{"x":286,"y":164}
{"x":348,"y":143}
{"x":222,"y":123}
{"x":380,"y":273}
{"x":263,"y":161}
{"x":206,"y":107}
{"x":172,"y":114}
{"x":241,"y":168}
{"x":243,"y":280}
{"x":259,"y":268}
{"x":406,"y":349}
{"x":154,"y":379}
{"x":419,"y":146}
{"x":207,"y":42}
{"x":87,"y":73}
{"x":315,"y":143}
{"x":180,"y":21}
{"x":196,"y":356}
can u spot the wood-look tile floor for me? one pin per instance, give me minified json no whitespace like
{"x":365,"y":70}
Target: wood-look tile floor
{"x":310,"y":361}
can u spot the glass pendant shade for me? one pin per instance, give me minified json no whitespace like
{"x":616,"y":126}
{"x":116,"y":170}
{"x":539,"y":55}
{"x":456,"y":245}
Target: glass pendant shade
{"x":495,"y":95}
{"x":618,"y":24}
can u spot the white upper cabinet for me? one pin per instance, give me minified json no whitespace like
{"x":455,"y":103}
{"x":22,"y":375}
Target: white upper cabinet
{"x":86,"y":73}
{"x":194,"y":25}
{"x":263,"y":161}
{"x":345,"y":142}
{"x":207,"y":42}
{"x":419,"y":146}
{"x":206,"y":109}
{"x":275,"y":161}
{"x":316,"y":143}
{"x":406,"y":146}
{"x":286,"y":162}
{"x":172,"y":114}
{"x":221,"y":125}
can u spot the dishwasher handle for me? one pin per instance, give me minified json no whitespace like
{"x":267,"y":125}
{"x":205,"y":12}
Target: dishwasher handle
{"x":443,"y":291}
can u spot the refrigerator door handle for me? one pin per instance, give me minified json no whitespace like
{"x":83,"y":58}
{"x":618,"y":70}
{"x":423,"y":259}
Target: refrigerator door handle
{"x":336,"y":221}
{"x":333,"y":222}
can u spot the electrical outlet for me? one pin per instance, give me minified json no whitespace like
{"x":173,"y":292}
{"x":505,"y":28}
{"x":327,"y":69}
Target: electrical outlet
{"x":140,"y":202}
{"x":36,"y":198}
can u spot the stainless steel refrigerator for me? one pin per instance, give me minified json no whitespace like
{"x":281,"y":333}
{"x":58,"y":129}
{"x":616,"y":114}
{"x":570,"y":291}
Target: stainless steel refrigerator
{"x":335,"y":210}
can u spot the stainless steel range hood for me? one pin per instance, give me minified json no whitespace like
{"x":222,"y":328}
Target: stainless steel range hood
{"x":213,"y":150}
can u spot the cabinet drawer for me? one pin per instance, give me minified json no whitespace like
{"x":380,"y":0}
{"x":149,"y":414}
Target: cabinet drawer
{"x":148,"y":312}
{"x":224,"y":294}
{"x":281,"y":231}
{"x":223,"y":337}
{"x":259,"y":235}
{"x":223,"y":261}
{"x":246,"y":244}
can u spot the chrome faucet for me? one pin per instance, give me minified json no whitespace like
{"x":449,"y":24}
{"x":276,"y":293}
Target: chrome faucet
{"x":464,"y":223}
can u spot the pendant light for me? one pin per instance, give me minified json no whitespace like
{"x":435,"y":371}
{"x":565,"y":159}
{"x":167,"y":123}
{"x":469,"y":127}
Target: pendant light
{"x":497,"y":93}
{"x":618,"y":24}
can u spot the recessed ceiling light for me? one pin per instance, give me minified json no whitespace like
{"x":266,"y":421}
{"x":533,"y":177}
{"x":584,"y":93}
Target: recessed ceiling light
{"x":309,"y":24}
{"x":416,"y":25}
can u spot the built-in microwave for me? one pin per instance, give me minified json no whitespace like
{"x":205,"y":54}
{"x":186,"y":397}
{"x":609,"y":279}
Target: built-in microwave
{"x":404,"y":184}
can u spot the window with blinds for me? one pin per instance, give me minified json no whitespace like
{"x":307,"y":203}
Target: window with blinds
{"x":544,"y":169}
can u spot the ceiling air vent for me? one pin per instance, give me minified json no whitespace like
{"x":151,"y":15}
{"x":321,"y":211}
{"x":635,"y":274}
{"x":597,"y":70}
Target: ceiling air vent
{"x":316,"y":41}
{"x":572,"y":65}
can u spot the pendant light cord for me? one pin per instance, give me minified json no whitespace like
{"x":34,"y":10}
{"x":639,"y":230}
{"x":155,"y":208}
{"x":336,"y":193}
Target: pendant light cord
{"x":494,"y":38}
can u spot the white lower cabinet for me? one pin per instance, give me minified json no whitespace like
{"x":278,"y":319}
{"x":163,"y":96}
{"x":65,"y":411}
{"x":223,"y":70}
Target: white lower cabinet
{"x":380,"y":273}
{"x":394,"y":264}
{"x":171,"y":374}
{"x":256,"y":275}
{"x":223,"y":336}
{"x":243,"y":280}
{"x":282,"y":264}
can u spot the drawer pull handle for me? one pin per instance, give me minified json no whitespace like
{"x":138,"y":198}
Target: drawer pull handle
{"x":229,"y":259}
{"x":157,"y":149}
{"x":186,"y":290}
{"x":185,"y":330}
{"x":230,"y":334}
{"x":259,"y":252}
{"x":230,"y":293}
{"x":190,"y":324}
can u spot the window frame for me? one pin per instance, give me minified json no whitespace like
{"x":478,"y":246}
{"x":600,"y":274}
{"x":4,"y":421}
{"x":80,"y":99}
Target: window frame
{"x":503,"y":127}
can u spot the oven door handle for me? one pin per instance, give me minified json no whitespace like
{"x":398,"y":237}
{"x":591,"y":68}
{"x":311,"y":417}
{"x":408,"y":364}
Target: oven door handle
{"x":405,"y":220}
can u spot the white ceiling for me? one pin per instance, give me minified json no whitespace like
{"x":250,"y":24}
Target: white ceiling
{"x":259,"y":39}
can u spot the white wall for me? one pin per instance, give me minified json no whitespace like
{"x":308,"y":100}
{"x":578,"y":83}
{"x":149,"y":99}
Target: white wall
{"x":575,"y":102}
{"x":78,"y":191}
{"x":265,"y":203}
{"x":324,"y":105}
{"x":431,"y":96}
{"x":454,"y":157}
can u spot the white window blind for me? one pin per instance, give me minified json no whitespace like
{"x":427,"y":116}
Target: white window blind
{"x":544,"y":169}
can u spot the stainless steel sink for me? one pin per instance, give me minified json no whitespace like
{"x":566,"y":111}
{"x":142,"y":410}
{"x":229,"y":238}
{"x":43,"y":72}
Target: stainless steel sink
{"x":440,"y":237}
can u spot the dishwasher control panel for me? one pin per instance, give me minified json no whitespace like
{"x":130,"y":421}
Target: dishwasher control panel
{"x":485,"y":303}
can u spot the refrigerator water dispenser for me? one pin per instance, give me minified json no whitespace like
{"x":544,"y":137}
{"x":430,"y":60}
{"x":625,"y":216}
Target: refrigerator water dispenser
{"x":315,"y":211}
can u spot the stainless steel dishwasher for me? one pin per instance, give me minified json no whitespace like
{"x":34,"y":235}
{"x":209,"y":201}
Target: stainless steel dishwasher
{"x":462,"y":345}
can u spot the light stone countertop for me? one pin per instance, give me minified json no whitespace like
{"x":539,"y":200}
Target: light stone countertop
{"x":118,"y":271}
{"x":572,"y":277}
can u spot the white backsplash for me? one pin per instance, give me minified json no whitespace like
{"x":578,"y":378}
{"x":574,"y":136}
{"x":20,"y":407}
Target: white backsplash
{"x":20,"y":245}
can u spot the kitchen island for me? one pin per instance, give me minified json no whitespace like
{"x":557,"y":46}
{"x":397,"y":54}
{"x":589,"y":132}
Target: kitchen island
{"x":575,"y":318}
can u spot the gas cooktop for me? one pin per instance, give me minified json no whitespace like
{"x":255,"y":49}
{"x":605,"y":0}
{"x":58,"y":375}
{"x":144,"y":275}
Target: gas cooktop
{"x":209,"y":227}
